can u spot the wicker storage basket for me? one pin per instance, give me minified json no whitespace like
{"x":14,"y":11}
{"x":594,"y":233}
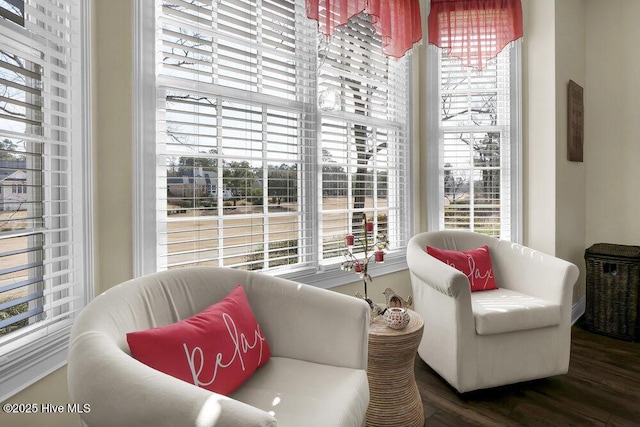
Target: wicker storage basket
{"x":613,"y":285}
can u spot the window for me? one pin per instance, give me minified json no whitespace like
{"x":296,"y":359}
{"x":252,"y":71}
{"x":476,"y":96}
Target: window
{"x":364,"y":141}
{"x":43,"y":269}
{"x":12,"y":10}
{"x":475,"y":145}
{"x":270,"y":141}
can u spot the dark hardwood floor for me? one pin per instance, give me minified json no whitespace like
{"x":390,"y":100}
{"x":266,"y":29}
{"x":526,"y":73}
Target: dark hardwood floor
{"x":602,"y":388}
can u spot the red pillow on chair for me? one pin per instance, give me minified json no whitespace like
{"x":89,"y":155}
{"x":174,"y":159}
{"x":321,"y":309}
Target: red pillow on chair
{"x":475,"y":264}
{"x":217,"y":349}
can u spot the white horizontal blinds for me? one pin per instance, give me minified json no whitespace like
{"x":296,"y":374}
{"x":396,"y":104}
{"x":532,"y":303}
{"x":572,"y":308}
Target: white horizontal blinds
{"x":475,"y":143}
{"x":40,"y":275}
{"x":363,"y":100}
{"x":262,"y":47}
{"x":353,"y":65}
{"x":21,"y":216}
{"x":236,"y":77}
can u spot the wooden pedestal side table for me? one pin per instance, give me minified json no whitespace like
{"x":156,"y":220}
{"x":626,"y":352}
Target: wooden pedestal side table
{"x":394,"y":397}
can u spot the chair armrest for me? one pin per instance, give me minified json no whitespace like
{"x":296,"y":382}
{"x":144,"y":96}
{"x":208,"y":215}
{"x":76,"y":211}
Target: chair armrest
{"x":433,"y":272}
{"x":441,"y":294}
{"x":133,"y":394}
{"x":308,"y":323}
{"x":429,"y":272}
{"x":535,"y":273}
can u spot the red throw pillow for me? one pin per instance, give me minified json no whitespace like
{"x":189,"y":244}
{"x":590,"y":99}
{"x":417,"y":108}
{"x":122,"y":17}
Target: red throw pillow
{"x":475,"y":263}
{"x":217,"y":349}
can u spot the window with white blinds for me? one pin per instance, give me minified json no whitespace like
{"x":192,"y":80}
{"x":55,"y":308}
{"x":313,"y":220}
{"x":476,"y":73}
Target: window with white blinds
{"x":271,"y":140}
{"x":477,"y":126}
{"x":235,"y":89}
{"x":42,"y":265}
{"x":363,"y":105}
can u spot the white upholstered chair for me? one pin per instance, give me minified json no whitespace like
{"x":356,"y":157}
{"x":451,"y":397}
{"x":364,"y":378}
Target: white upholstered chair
{"x":316,"y":375}
{"x":476,"y":340}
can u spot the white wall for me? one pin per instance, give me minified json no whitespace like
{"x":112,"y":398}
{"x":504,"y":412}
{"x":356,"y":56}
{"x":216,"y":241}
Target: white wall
{"x":554,"y":188}
{"x":612,"y":116}
{"x":571,"y":190}
{"x":539,"y":121}
{"x":113,"y":144}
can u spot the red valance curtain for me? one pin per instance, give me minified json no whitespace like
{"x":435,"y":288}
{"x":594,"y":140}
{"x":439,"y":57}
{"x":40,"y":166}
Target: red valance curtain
{"x":397,"y":21}
{"x":474,"y":30}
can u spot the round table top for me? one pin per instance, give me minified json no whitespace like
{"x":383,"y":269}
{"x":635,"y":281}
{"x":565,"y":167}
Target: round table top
{"x":379,"y":326}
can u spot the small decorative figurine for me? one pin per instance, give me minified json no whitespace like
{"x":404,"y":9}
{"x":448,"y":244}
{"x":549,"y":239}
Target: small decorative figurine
{"x":395,"y":300}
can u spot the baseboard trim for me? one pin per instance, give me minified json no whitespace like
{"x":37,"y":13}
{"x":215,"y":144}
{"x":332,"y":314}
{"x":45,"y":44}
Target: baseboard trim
{"x":577,"y":310}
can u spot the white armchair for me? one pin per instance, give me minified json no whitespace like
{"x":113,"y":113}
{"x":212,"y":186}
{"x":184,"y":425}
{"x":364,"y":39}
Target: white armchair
{"x":316,"y":375}
{"x":475,"y":340}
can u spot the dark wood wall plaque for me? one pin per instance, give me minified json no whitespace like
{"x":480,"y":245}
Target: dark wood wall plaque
{"x":575,"y":125}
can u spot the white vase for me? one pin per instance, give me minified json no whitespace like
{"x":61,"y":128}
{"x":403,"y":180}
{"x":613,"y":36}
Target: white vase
{"x":396,"y":317}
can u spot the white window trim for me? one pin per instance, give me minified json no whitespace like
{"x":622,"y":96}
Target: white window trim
{"x":144,"y":131}
{"x":433,"y":153}
{"x":516,"y":146}
{"x":48,"y":351}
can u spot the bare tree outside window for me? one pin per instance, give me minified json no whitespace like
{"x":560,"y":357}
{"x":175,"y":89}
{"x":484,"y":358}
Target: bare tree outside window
{"x":475,"y":143}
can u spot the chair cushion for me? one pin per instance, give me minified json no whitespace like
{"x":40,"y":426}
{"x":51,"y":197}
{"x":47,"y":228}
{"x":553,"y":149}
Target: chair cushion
{"x":474,"y":263}
{"x":217,"y":349}
{"x":503,"y":310}
{"x":300,"y":393}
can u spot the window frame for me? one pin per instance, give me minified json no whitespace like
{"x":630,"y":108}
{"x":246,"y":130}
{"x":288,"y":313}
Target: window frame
{"x":43,"y":351}
{"x":433,"y":152}
{"x":321,"y":275}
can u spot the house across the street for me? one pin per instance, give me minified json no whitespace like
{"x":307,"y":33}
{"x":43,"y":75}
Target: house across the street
{"x":13,"y":185}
